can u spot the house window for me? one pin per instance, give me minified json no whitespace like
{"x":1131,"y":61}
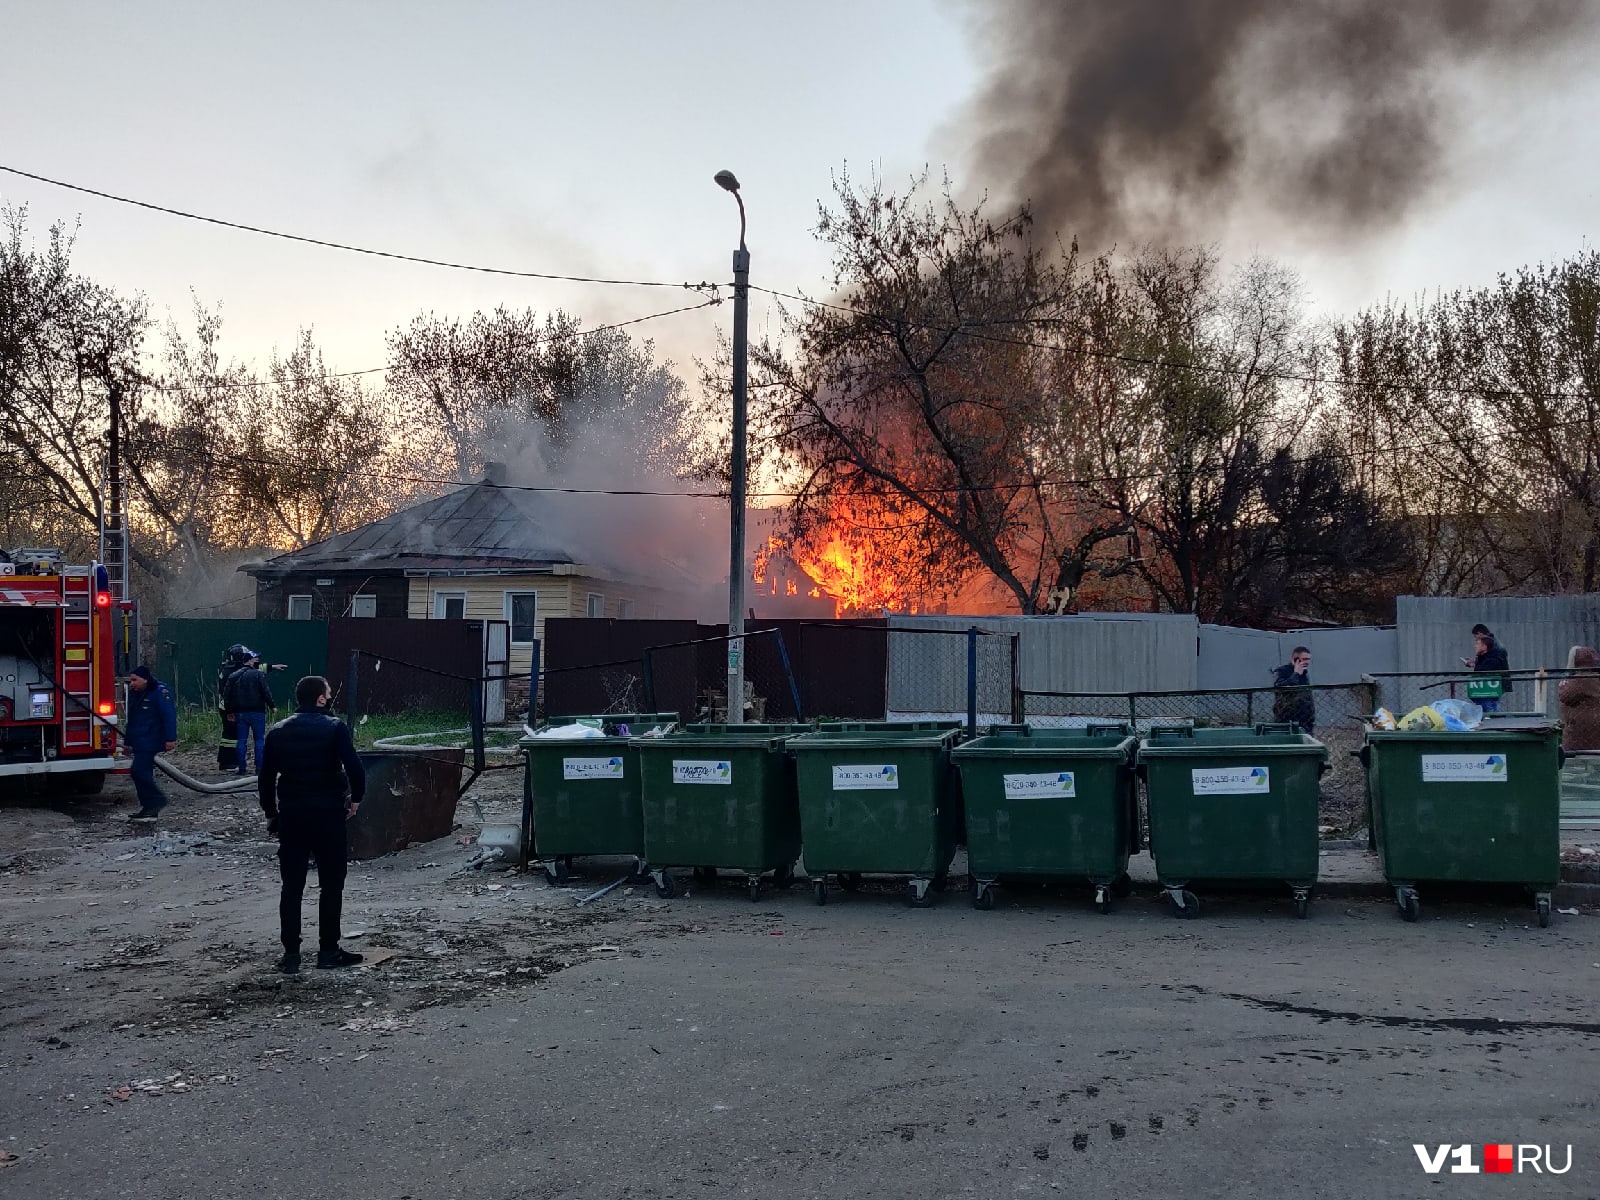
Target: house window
{"x":624,"y":609}
{"x":519,"y":615}
{"x":450,"y":606}
{"x":597,"y":604}
{"x":363,"y":606}
{"x":299,"y":608}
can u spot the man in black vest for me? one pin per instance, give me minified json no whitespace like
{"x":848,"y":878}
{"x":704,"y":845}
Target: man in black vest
{"x":311,"y":783}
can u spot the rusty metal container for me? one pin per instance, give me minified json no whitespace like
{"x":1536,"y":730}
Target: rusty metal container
{"x":411,"y":797}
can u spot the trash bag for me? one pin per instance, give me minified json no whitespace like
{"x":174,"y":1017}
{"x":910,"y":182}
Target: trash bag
{"x":1383,"y":719}
{"x":1458,"y":715}
{"x":1422,"y":719}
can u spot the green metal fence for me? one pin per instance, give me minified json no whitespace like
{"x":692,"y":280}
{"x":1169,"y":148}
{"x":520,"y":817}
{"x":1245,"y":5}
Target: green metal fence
{"x":189,"y":654}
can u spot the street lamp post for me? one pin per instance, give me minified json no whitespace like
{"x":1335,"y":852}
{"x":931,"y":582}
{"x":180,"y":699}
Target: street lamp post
{"x":736,"y":494}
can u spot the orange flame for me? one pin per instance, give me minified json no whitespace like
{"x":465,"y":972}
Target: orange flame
{"x":846,"y":556}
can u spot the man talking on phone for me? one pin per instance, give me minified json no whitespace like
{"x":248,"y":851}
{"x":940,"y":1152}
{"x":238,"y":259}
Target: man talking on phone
{"x":311,"y":784}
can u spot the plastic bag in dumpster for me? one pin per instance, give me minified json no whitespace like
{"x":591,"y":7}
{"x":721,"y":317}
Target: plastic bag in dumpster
{"x":1383,"y":719}
{"x":1423,"y":718}
{"x":1458,"y":715}
{"x":569,"y":732}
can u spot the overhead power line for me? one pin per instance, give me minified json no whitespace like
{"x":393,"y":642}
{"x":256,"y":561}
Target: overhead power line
{"x":975,"y":330}
{"x":887,"y":492}
{"x":167,"y":389}
{"x":332,"y":245}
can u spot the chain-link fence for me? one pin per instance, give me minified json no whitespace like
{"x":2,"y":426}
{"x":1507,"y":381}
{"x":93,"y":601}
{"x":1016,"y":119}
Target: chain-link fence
{"x":1334,"y":712}
{"x":948,"y":674}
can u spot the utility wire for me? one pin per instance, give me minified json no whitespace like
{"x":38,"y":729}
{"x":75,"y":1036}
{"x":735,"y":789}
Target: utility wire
{"x":885,"y":493}
{"x":330,"y":245}
{"x":974,"y":330}
{"x":167,"y":389}
{"x":970,"y":330}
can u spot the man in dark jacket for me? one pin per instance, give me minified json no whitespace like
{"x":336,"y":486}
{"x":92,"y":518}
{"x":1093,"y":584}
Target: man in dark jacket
{"x":152,"y":727}
{"x":1294,"y":701}
{"x":1489,"y":658}
{"x":311,"y":783}
{"x":248,"y":699}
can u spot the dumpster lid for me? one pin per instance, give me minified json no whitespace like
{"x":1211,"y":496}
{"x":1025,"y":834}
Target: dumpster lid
{"x":1050,"y":743}
{"x":723,"y":737}
{"x":1502,"y":727}
{"x":881,"y":736}
{"x":1187,"y":741}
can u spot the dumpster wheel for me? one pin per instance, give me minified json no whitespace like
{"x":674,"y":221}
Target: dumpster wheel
{"x":666,"y":883}
{"x":1185,"y":904}
{"x":1541,"y":902}
{"x":919,"y":893}
{"x":1102,"y":898}
{"x":1410,"y":905}
{"x":819,"y":890}
{"x":983,"y":894}
{"x":557,"y":870}
{"x":1302,"y":902}
{"x":754,"y":888}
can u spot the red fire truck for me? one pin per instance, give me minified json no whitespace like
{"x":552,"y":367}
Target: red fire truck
{"x":63,"y":641}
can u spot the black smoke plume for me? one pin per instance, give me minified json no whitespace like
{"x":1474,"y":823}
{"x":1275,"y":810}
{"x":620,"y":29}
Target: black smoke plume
{"x":1154,"y":119}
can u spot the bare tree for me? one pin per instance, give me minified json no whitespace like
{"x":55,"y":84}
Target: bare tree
{"x":66,"y":344}
{"x":506,"y":383}
{"x":310,"y":452}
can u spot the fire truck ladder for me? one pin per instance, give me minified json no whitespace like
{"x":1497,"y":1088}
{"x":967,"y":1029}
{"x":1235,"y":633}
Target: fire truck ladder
{"x":78,"y":731}
{"x":114,"y":553}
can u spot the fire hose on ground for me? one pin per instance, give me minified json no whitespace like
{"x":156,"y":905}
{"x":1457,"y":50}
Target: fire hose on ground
{"x":247,"y":784}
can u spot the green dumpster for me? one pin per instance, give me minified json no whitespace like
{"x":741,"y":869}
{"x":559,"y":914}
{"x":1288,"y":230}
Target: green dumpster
{"x":878,"y":799}
{"x":1481,"y":806}
{"x":1050,"y":803}
{"x":580,"y":796}
{"x":1233,"y":805}
{"x":720,"y":797}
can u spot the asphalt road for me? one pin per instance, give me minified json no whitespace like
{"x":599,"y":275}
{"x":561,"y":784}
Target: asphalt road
{"x":868,"y":1050}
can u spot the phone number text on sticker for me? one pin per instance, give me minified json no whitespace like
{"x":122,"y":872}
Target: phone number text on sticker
{"x":1464,"y":768}
{"x":1231,"y":781}
{"x":1047,"y":783}
{"x":874,"y":777}
{"x":701,"y":770}
{"x":591,"y":768}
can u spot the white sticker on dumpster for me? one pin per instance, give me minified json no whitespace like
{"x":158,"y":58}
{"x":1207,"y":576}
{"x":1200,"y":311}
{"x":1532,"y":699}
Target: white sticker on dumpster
{"x":875,"y":777}
{"x":591,"y":768}
{"x":1231,"y":781}
{"x":701,"y":770}
{"x":1047,"y":783}
{"x":1463,"y":768}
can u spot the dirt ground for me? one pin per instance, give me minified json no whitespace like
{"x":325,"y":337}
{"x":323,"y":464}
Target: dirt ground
{"x":173,"y":927}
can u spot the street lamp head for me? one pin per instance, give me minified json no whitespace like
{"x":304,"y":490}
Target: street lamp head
{"x":727,"y":181}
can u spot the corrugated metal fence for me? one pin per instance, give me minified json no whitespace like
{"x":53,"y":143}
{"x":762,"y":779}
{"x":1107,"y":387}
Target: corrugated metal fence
{"x":1536,"y":631}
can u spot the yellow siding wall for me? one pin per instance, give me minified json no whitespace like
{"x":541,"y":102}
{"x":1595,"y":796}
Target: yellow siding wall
{"x":486,"y":601}
{"x":558,"y":596}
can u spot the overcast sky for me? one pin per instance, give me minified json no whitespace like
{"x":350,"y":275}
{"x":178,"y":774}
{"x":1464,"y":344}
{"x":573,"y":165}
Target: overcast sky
{"x":582,"y":138}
